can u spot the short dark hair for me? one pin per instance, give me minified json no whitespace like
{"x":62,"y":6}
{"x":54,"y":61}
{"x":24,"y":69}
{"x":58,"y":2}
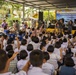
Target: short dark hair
{"x":43,"y":32}
{"x":57,"y":45}
{"x":61,"y":41}
{"x":10,"y":53}
{"x":35,"y":39}
{"x":5,"y":27}
{"x":16,"y":20}
{"x":23,"y":54}
{"x":46,"y":56}
{"x":9,"y":48}
{"x":13,"y":20}
{"x":3,"y":60}
{"x":64,"y":40}
{"x":5,"y":36}
{"x":29,"y":47}
{"x":68,"y":61}
{"x":33,"y":29}
{"x":42,"y":45}
{"x":26,"y":37}
{"x":50,"y":48}
{"x":9,"y":41}
{"x":24,"y":42}
{"x":36,"y":58}
{"x":44,"y":38}
{"x":69,"y":36}
{"x":40,"y":35}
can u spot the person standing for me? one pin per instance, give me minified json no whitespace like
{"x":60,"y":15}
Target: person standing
{"x":62,"y":26}
{"x":17,"y":25}
{"x":70,"y":24}
{"x":4,"y":24}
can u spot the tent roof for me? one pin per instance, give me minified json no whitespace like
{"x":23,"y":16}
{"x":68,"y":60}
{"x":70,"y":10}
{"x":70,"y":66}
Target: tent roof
{"x":47,"y":4}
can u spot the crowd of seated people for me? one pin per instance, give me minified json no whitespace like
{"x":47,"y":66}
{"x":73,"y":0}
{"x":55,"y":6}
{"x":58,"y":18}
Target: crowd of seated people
{"x":33,"y":51}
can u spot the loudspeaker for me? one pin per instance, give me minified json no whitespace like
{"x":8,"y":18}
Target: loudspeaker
{"x":41,"y":16}
{"x":74,"y":20}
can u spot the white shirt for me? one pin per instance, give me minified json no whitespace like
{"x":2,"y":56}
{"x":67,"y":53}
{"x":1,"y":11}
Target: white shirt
{"x":23,"y":47}
{"x":64,"y":45}
{"x":48,"y":68}
{"x":4,"y":44}
{"x":53,"y":60}
{"x":19,"y":73}
{"x":73,"y":50}
{"x":74,"y":58}
{"x":47,"y":46}
{"x":35,"y":45}
{"x":28,"y":40}
{"x":21,"y":63}
{"x":36,"y":71}
{"x":57,"y":51}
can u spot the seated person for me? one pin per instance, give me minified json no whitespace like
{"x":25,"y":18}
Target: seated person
{"x":5,"y":62}
{"x":47,"y":67}
{"x":13,"y":63}
{"x":21,"y":63}
{"x":54,"y":58}
{"x":68,"y":69}
{"x":36,"y":60}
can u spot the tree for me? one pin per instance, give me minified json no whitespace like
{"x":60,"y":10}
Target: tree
{"x":1,"y":3}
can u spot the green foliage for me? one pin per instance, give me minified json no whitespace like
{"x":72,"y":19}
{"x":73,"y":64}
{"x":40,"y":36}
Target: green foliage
{"x":1,"y":3}
{"x":10,"y":21}
{"x":48,"y":15}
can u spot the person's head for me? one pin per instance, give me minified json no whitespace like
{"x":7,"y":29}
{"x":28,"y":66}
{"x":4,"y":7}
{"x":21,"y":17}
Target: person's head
{"x":22,"y":22}
{"x":69,"y":36}
{"x":9,"y":41}
{"x":70,"y":22}
{"x":3,"y":60}
{"x":29,"y":47}
{"x":43,"y":32}
{"x":50,"y":49}
{"x":10,"y":53}
{"x":26,"y":37}
{"x":4,"y":20}
{"x":5,"y":27}
{"x":62,"y":20}
{"x":54,"y":37}
{"x":9,"y":48}
{"x":65,"y":40}
{"x":69,"y":52}
{"x":57,"y":45}
{"x":36,"y":58}
{"x":13,"y":20}
{"x":23,"y":54}
{"x":45,"y":39}
{"x":33,"y":29}
{"x":24,"y":42}
{"x":20,"y":32}
{"x":61,"y":41}
{"x":5,"y":36}
{"x":40,"y":35}
{"x":46,"y":56}
{"x":35,"y":39}
{"x":59,"y":36}
{"x":68,"y":61}
{"x":16,"y":20}
{"x":42,"y":46}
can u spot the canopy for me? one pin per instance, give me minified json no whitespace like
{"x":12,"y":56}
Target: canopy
{"x":47,"y":4}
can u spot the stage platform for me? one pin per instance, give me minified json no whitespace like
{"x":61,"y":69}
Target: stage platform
{"x":52,"y":29}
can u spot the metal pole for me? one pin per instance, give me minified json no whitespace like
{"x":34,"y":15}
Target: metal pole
{"x":48,"y":15}
{"x":23,"y":11}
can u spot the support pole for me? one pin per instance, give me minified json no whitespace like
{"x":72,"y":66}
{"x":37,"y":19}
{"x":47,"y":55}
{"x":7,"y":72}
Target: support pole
{"x":48,"y":15}
{"x":23,"y":11}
